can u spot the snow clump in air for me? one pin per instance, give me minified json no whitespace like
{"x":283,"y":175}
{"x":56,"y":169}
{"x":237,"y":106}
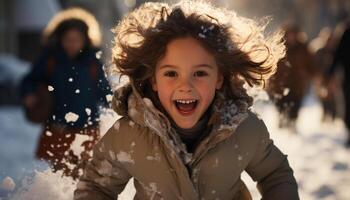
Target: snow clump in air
{"x":71,"y":117}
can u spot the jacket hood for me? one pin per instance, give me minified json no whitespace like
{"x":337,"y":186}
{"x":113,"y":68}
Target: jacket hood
{"x":225,"y":117}
{"x":94,"y":32}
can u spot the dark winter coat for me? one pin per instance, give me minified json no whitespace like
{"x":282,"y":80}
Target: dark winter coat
{"x":143,"y":145}
{"x":79,"y":85}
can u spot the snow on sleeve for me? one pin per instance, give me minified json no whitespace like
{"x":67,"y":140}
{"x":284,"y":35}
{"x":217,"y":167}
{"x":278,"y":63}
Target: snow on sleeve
{"x":125,"y":157}
{"x":76,"y":146}
{"x":105,"y":168}
{"x":156,"y":157}
{"x":116,"y":125}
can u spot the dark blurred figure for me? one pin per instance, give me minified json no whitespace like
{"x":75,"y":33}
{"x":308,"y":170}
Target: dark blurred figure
{"x":289,"y":84}
{"x":323,"y":48}
{"x":64,"y":90}
{"x":342,"y":58}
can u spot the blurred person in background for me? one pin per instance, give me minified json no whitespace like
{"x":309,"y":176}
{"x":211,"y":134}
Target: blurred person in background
{"x":64,"y":90}
{"x":322,"y":48}
{"x":342,"y":59}
{"x":288,"y":86}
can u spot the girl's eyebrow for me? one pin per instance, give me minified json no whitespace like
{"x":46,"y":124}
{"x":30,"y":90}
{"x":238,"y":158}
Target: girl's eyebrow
{"x":199,"y":65}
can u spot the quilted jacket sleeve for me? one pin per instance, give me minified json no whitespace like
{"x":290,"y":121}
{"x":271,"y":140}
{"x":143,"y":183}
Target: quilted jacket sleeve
{"x":270,"y":168}
{"x":104,"y":176}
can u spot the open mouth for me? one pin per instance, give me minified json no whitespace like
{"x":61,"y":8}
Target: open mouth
{"x":186,"y":106}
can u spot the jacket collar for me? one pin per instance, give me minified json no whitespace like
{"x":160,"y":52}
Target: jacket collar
{"x":226,"y":115}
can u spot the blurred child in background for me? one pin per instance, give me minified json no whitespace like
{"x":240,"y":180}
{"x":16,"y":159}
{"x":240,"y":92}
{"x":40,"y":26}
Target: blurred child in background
{"x":65,"y":88}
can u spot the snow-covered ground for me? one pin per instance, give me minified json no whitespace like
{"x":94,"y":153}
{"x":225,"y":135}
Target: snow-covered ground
{"x":315,"y":151}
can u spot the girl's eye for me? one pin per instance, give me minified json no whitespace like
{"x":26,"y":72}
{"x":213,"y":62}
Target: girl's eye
{"x":170,"y":74}
{"x":200,"y":73}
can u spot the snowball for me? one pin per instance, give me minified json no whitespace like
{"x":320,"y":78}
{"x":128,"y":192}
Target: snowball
{"x":8,"y":184}
{"x":70,"y":79}
{"x":88,"y":111}
{"x":77,"y":91}
{"x":71,"y":117}
{"x":50,"y":88}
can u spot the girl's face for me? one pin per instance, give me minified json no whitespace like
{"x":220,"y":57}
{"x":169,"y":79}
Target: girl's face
{"x":72,"y":42}
{"x":186,"y":79}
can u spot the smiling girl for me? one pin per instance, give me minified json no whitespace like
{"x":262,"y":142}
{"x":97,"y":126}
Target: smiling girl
{"x":186,"y":130}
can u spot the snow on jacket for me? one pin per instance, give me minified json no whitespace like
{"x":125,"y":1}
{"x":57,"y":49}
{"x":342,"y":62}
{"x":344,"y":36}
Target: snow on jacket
{"x":142,"y":145}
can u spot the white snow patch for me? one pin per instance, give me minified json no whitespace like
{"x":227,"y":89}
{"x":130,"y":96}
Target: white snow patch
{"x":50,"y":88}
{"x":88,"y":111}
{"x":156,"y":157}
{"x":45,"y":185}
{"x":76,"y":146}
{"x":105,"y":169}
{"x":71,"y":117}
{"x":109,"y":97}
{"x":124,"y":157}
{"x":116,"y":125}
{"x":99,"y":54}
{"x":48,"y":133}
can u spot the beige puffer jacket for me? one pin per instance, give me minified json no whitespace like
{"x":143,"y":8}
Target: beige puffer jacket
{"x":142,"y":145}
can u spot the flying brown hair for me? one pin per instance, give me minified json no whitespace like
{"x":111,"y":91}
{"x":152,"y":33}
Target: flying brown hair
{"x":241,"y":50}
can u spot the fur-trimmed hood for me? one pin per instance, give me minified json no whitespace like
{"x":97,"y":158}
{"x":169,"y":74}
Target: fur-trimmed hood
{"x":225,"y":117}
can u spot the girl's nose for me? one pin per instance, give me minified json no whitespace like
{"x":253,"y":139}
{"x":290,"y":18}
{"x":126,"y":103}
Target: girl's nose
{"x":185,"y":85}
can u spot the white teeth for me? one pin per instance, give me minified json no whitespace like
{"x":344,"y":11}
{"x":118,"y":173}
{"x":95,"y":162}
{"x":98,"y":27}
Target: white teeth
{"x":185,"y":101}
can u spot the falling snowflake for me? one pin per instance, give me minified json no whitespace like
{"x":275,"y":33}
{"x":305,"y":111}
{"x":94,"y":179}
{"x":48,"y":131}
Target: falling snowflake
{"x":99,"y":54}
{"x":50,"y":88}
{"x":71,"y":117}
{"x":88,"y":111}
{"x":109,"y":97}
